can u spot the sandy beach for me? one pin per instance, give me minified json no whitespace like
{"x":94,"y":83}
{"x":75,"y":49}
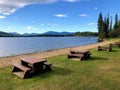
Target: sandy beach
{"x":5,"y":61}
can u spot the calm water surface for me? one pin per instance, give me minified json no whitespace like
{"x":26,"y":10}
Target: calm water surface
{"x":22,"y":45}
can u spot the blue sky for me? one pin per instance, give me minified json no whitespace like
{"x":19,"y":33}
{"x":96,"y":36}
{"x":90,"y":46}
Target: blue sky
{"x":39,"y":16}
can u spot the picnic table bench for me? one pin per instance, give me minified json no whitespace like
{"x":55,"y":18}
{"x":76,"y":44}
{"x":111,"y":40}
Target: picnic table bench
{"x":47,"y":66}
{"x":115,"y":44}
{"x":103,"y":48}
{"x":31,"y":66}
{"x":79,"y":54}
{"x":21,"y":70}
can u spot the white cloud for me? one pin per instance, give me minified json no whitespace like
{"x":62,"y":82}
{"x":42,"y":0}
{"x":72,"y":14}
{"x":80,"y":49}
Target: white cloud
{"x":74,"y":0}
{"x":42,"y":24}
{"x":91,"y":24}
{"x":83,"y":15}
{"x":10,"y":27}
{"x":2,"y":17}
{"x":8,"y":7}
{"x":55,"y":24}
{"x":31,"y":28}
{"x":71,"y":0}
{"x":75,"y":26}
{"x":95,"y":8}
{"x":61,"y":15}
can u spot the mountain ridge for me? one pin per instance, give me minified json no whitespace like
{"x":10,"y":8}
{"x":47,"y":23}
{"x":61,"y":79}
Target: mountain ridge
{"x":58,"y":33}
{"x":45,"y":33}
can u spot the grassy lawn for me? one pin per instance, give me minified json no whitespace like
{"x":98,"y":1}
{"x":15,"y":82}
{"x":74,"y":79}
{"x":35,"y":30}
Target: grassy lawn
{"x":101,"y":71}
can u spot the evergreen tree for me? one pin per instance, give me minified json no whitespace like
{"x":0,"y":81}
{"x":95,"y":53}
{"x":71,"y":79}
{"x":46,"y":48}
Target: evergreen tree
{"x":100,"y":26}
{"x":110,"y":25}
{"x":105,"y":28}
{"x":116,"y":22}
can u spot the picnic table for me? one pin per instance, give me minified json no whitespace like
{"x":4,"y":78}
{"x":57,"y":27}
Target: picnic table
{"x":31,"y":66}
{"x":104,"y":48}
{"x":34,"y":63}
{"x":115,"y":44}
{"x":81,"y":54}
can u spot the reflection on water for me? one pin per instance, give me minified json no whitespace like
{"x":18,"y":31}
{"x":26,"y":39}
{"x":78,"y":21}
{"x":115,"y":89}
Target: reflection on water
{"x":21,"y":45}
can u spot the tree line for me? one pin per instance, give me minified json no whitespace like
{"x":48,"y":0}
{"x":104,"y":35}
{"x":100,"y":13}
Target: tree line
{"x":106,"y":28}
{"x":4,"y":34}
{"x":86,"y":33}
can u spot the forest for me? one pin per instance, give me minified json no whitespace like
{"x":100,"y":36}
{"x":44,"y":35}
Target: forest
{"x":106,"y":27}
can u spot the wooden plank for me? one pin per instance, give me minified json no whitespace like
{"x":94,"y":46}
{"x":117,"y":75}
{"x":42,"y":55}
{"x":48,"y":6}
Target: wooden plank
{"x":21,"y":67}
{"x":76,"y":54}
{"x":32,"y":60}
{"x":19,"y":74}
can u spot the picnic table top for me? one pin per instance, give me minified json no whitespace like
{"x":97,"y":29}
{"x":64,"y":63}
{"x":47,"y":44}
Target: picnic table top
{"x":32,"y":60}
{"x":115,"y":43}
{"x":104,"y":47}
{"x":80,"y":51}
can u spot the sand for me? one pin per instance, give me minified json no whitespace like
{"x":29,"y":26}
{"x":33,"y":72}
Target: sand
{"x":5,"y":61}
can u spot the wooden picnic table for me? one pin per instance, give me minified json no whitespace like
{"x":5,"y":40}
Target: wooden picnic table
{"x":79,"y":51}
{"x":81,"y":54}
{"x":34,"y":63}
{"x":31,"y":66}
{"x":103,"y":48}
{"x":115,"y":44}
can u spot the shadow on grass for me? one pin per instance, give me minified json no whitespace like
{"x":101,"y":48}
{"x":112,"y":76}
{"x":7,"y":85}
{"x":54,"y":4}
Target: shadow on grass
{"x":55,"y":71}
{"x":109,"y":51}
{"x":114,"y":51}
{"x":61,"y":70}
{"x":95,"y":58}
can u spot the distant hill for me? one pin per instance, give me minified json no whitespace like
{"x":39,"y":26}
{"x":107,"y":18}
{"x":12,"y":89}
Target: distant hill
{"x":4,"y":34}
{"x":47,"y":34}
{"x":30,"y":34}
{"x":24,"y":34}
{"x":15,"y":33}
{"x":57,"y":33}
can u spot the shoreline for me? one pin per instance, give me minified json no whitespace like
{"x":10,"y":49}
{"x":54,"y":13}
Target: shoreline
{"x":9,"y":60}
{"x":44,"y":51}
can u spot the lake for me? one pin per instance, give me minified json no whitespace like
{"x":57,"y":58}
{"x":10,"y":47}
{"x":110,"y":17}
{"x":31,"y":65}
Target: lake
{"x":22,"y":45}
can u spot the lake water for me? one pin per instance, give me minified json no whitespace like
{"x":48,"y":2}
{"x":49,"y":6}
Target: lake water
{"x":22,"y":45}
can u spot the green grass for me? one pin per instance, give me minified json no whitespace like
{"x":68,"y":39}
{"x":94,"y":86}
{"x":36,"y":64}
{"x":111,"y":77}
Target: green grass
{"x":100,"y":72}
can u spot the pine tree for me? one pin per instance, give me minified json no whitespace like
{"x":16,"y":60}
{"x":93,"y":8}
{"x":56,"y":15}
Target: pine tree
{"x":110,"y":29}
{"x":116,"y":22}
{"x":105,"y":28}
{"x":100,"y":26}
{"x":108,"y":23}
